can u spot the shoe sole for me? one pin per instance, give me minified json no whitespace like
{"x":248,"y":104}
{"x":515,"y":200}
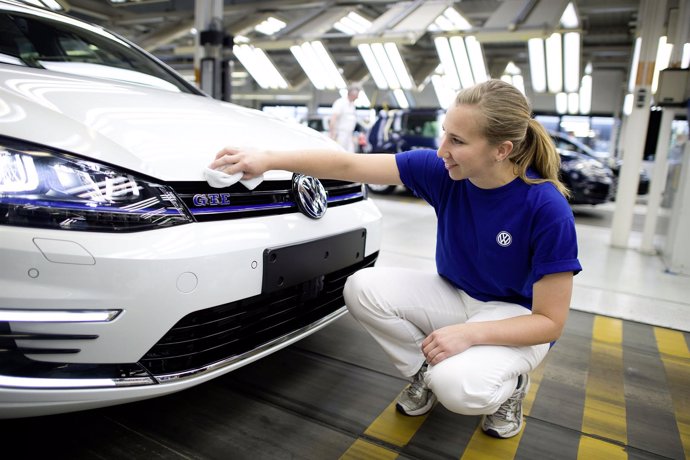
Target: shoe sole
{"x":421,"y":411}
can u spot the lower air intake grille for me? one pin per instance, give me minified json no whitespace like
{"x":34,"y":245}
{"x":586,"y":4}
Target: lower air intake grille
{"x":216,"y":334}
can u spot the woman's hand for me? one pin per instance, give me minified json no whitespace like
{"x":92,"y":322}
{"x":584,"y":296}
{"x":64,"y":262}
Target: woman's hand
{"x":446,"y":342}
{"x":250,"y":161}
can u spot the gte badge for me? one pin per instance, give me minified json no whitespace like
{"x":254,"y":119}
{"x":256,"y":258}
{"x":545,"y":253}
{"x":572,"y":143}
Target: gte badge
{"x":310,"y":195}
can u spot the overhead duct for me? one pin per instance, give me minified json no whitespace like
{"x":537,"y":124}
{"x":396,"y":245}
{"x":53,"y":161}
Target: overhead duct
{"x":520,"y":20}
{"x":404,"y":23}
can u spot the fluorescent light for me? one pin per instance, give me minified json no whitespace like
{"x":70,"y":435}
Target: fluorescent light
{"x":442,"y":88}
{"x":401,"y":99}
{"x":586,"y":94}
{"x":307,"y":60}
{"x":352,"y":24}
{"x":259,"y":66}
{"x":59,"y":316}
{"x":270,"y":26}
{"x":396,"y":60}
{"x":573,"y":103}
{"x":628,"y":104}
{"x":385,"y":65}
{"x":447,"y":63}
{"x":635,"y":62}
{"x":537,"y":64}
{"x":318,"y":65}
{"x":372,"y":65}
{"x":448,"y":21}
{"x":474,"y":50}
{"x":519,"y":83}
{"x":569,"y":18}
{"x":685,"y":60}
{"x":512,"y":69}
{"x":462,"y":61}
{"x":561,"y":103}
{"x":571,"y":54}
{"x":554,"y":58}
{"x":663,"y":57}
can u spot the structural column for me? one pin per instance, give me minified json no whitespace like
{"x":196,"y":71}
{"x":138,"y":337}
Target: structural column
{"x":651,"y":17}
{"x":208,"y":18}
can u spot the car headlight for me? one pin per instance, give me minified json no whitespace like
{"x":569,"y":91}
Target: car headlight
{"x":40,"y":187}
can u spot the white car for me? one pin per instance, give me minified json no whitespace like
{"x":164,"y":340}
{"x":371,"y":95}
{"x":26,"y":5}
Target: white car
{"x":124,"y":275}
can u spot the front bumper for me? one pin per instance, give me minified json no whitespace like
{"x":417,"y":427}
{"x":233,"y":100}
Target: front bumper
{"x":164,"y":283}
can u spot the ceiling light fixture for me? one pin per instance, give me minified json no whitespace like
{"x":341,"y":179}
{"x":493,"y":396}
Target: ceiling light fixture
{"x":386,"y":65}
{"x":270,"y":26}
{"x":555,"y":61}
{"x":352,"y":24}
{"x":537,"y":64}
{"x":513,"y":75}
{"x":259,"y":66}
{"x":462,"y":60}
{"x":318,"y":65}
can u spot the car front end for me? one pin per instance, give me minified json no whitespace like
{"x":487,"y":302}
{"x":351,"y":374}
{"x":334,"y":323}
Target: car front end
{"x":124,"y":274}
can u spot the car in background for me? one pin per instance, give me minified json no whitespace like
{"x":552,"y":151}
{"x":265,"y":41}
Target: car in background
{"x":124,"y":274}
{"x":565,"y":142}
{"x":400,"y":130}
{"x":589,"y":180}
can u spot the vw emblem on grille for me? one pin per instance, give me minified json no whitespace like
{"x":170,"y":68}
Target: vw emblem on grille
{"x":310,"y":195}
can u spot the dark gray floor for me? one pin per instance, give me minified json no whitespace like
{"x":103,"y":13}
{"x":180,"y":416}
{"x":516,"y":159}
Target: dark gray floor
{"x":314,"y":399}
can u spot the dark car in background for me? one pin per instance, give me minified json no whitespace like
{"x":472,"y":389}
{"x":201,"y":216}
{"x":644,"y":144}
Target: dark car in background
{"x":565,"y":142}
{"x":589,"y":179}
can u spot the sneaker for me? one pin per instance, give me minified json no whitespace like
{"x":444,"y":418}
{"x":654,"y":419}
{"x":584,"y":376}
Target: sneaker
{"x":506,"y":422}
{"x":416,"y":398}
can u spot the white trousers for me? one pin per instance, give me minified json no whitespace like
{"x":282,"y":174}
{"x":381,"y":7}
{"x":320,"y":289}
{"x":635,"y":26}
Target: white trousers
{"x":399,"y":307}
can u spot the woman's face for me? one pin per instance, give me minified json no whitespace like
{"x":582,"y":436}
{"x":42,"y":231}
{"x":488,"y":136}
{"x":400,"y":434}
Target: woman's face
{"x":465,"y":151}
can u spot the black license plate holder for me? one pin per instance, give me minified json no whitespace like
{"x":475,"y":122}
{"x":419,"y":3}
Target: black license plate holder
{"x":289,"y":265}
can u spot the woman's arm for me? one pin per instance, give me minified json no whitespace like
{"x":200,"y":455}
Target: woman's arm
{"x":549,"y":312}
{"x":325,"y":164}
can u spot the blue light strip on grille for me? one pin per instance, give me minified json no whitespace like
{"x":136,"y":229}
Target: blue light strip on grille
{"x":261,"y":207}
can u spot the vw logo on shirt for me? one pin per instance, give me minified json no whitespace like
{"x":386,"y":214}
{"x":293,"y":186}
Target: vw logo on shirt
{"x":310,"y":195}
{"x":504,"y":238}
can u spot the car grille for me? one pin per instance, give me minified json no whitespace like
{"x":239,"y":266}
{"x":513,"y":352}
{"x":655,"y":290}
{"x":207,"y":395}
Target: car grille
{"x":268,"y":198}
{"x":219,"y":333}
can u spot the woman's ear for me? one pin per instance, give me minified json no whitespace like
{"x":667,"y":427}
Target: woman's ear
{"x":504,"y":150}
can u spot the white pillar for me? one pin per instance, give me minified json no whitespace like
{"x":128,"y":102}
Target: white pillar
{"x":652,"y":15}
{"x":658,"y":183}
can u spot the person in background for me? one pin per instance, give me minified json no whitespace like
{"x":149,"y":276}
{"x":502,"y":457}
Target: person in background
{"x":342,"y":124}
{"x":469,"y":333}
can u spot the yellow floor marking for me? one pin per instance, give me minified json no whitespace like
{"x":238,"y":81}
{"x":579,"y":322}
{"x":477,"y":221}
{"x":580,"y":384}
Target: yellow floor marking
{"x":483,"y":447}
{"x":366,"y":450}
{"x":591,"y":448}
{"x":676,"y":358}
{"x":604,"y":412}
{"x":393,"y":427}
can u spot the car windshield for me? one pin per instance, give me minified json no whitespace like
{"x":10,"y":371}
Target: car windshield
{"x":61,"y":44}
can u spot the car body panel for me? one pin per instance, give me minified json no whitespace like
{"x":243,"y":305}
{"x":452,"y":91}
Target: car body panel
{"x":168,"y":136}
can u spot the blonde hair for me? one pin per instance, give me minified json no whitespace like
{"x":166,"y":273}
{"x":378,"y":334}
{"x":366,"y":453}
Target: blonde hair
{"x":507,"y":117}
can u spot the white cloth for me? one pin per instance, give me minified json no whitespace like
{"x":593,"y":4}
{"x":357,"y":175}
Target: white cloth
{"x":400,"y":307}
{"x":219,"y":179}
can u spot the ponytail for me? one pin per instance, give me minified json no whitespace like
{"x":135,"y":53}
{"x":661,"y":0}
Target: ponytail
{"x":539,"y":152}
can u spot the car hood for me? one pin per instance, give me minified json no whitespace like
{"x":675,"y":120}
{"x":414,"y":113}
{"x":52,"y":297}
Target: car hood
{"x":169,"y":136}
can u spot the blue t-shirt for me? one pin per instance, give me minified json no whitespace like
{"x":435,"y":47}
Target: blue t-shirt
{"x":494,"y":244}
